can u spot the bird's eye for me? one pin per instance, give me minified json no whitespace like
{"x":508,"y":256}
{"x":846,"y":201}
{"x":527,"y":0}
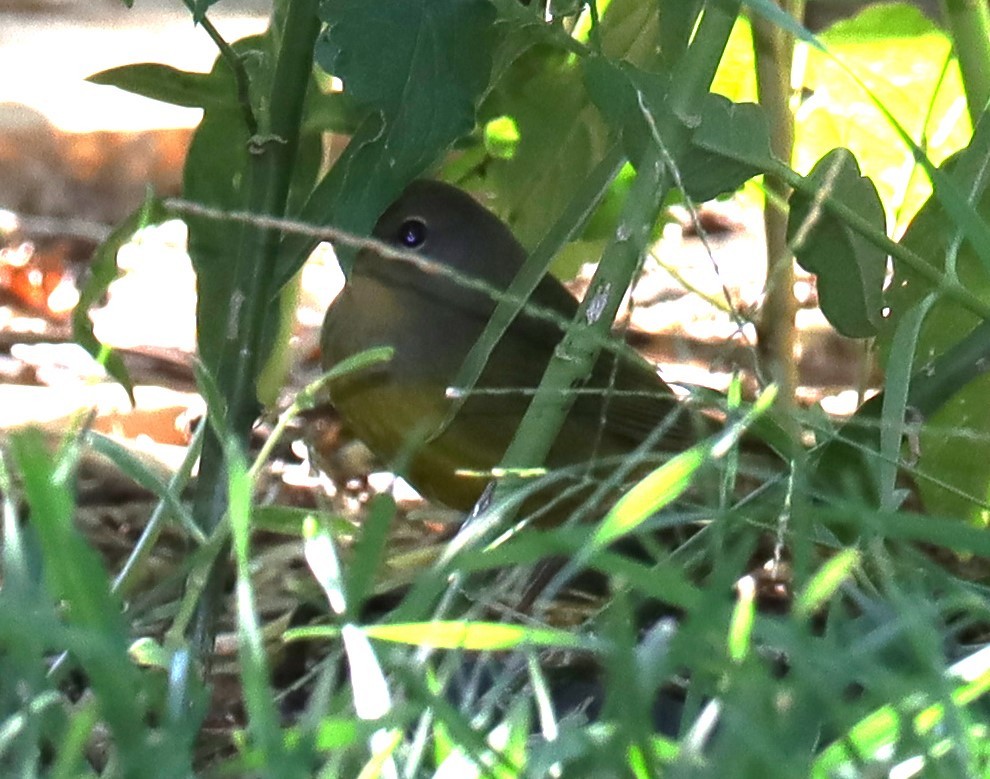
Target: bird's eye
{"x":412,"y":233}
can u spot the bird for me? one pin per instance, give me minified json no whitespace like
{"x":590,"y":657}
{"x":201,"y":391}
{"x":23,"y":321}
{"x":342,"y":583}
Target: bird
{"x":427,"y":315}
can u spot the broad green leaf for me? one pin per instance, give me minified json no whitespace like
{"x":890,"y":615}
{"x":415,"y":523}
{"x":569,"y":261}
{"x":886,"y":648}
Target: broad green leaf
{"x":631,"y":30}
{"x":418,"y":70}
{"x":881,"y":23}
{"x":562,"y":137}
{"x":215,"y":176}
{"x":631,"y":100}
{"x":731,"y":145}
{"x":850,"y":269}
{"x":386,"y":59}
{"x":906,"y":62}
{"x":335,"y":112}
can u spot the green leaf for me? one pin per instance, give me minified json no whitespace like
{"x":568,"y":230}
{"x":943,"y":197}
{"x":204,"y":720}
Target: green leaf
{"x":631,"y":100}
{"x":876,"y":736}
{"x":215,"y":177}
{"x":369,"y":552}
{"x":881,"y":22}
{"x":739,"y":640}
{"x":392,"y":55}
{"x":679,"y":21}
{"x":259,"y":695}
{"x":671,"y":480}
{"x":139,"y":471}
{"x":289,"y":520}
{"x":826,"y":581}
{"x":660,"y":488}
{"x":850,"y":269}
{"x":418,"y":68}
{"x":731,"y":145}
{"x":458,"y":634}
{"x":168,"y":84}
{"x":103,"y":271}
{"x":911,"y":75}
{"x":780,"y":18}
{"x":561,"y":138}
{"x":335,"y":112}
{"x":958,"y":460}
{"x":72,"y":567}
{"x":849,"y":464}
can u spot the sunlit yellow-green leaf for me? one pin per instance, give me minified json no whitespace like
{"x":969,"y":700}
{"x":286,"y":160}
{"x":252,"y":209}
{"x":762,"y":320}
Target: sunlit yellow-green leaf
{"x":659,"y":489}
{"x":455,"y":634}
{"x":826,"y":581}
{"x":914,"y":79}
{"x":743,"y":618}
{"x":472,"y":635}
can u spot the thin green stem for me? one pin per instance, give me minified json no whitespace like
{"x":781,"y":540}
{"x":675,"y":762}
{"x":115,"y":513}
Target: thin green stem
{"x":521,"y":289}
{"x":577,"y":353}
{"x":695,"y":71}
{"x":233,"y":59}
{"x":969,"y":23}
{"x":146,"y":543}
{"x":581,"y":345}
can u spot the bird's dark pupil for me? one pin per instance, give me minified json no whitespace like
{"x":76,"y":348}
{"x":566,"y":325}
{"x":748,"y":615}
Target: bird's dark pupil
{"x":412,"y":233}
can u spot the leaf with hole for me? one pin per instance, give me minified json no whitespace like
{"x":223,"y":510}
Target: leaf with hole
{"x":417,"y":69}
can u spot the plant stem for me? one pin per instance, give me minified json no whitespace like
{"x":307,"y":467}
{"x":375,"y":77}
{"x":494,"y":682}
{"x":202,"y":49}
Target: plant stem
{"x":233,"y":59}
{"x":969,"y":23}
{"x":587,"y":197}
{"x":694,"y":72}
{"x":269,"y":175}
{"x":774,"y":52}
{"x":577,"y":352}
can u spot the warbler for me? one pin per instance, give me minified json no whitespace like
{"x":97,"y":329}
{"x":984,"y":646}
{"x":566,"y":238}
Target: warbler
{"x":429,"y":316}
